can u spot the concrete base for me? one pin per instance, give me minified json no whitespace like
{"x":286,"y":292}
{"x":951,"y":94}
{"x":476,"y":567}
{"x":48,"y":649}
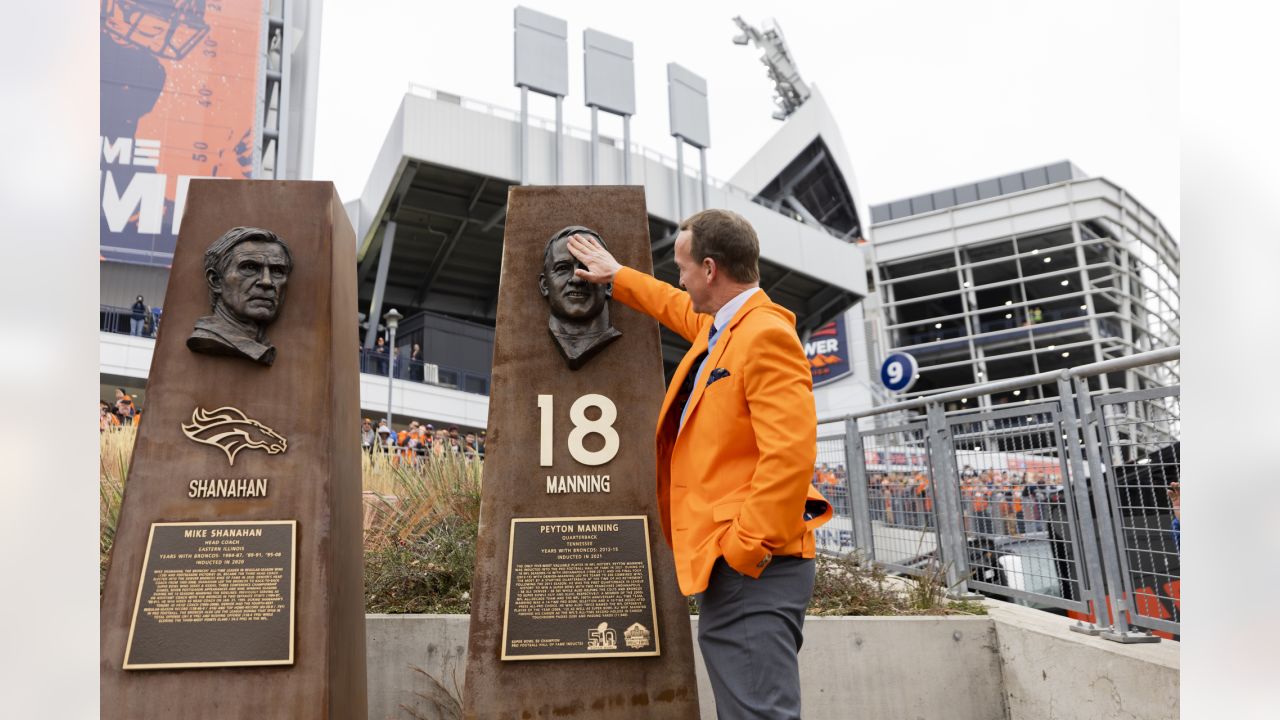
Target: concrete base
{"x":885,"y":668}
{"x":1051,"y":673}
{"x":896,"y":668}
{"x":416,"y":665}
{"x":1014,"y":664}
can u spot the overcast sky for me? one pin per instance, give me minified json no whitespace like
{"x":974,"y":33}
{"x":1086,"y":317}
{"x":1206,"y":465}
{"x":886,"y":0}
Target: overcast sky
{"x":927,"y":93}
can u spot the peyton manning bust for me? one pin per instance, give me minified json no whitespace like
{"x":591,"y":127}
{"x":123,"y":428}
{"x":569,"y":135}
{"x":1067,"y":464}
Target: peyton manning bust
{"x":579,"y":321}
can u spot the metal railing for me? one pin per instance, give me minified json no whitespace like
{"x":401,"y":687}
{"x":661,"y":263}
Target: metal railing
{"x":114,"y":319}
{"x":1059,"y":503}
{"x":421,"y":454}
{"x":373,"y":362}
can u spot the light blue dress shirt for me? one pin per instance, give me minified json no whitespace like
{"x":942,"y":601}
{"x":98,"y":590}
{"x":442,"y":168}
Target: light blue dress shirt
{"x":722,"y":318}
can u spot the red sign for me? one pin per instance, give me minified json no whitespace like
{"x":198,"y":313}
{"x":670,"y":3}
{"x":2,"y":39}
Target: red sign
{"x":828,"y":352}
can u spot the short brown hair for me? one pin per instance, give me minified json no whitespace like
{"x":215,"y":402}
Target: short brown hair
{"x":727,"y":238}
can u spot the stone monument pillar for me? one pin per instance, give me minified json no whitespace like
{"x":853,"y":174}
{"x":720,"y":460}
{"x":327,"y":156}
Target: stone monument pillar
{"x":236,"y":585}
{"x":575,"y":609}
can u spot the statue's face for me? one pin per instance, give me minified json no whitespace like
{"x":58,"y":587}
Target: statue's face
{"x":252,"y":287}
{"x":570,"y":297}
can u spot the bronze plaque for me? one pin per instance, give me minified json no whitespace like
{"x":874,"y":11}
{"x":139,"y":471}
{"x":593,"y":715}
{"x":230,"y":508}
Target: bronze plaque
{"x":214,"y":594}
{"x":579,"y":587}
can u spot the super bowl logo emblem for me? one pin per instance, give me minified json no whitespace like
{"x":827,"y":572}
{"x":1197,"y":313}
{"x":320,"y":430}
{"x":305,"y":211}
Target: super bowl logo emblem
{"x":232,"y":431}
{"x":636,"y":636}
{"x":602,"y":638}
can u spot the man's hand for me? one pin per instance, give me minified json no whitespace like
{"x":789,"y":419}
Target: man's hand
{"x":601,"y":267}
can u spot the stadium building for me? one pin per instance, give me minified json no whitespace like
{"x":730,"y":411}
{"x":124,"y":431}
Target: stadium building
{"x":430,"y":224}
{"x":1032,"y":271}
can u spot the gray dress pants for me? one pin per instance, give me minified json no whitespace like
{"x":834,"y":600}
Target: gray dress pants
{"x":749,"y":631}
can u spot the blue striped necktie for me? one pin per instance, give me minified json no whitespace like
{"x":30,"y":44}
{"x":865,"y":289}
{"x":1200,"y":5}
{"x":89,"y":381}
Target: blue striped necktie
{"x":697,"y":375}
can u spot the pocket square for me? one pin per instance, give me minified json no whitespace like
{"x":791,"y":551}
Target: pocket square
{"x":717,"y":374}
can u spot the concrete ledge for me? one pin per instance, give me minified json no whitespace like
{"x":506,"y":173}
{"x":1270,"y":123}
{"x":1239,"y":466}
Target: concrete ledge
{"x":1014,"y":664}
{"x":897,"y":668}
{"x":395,"y":645}
{"x":886,"y":668}
{"x":1051,"y":673}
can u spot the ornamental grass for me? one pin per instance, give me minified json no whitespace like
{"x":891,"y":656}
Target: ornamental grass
{"x":114,"y":452}
{"x":421,"y":521}
{"x":420,"y":536}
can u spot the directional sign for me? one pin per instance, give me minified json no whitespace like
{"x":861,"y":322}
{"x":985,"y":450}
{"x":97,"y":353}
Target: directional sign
{"x":899,"y":372}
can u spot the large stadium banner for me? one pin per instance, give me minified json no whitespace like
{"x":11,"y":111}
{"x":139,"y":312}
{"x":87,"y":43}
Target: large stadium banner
{"x":179,"y":87}
{"x":828,"y":352}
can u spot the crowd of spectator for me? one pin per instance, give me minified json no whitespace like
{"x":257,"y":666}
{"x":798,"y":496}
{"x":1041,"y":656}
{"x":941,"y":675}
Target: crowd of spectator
{"x":1007,"y":503}
{"x":830,"y":481}
{"x":124,"y":413}
{"x":412,"y":444}
{"x":419,"y":441}
{"x":901,"y":499}
{"x":993,"y":502}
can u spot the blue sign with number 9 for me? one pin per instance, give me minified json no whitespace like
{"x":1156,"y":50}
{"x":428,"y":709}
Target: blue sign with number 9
{"x":899,"y":371}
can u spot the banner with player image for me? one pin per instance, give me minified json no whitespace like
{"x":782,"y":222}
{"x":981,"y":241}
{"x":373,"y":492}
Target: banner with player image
{"x":179,"y":97}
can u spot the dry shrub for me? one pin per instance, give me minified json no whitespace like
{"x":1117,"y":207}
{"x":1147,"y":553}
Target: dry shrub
{"x":849,"y":586}
{"x":420,"y":546}
{"x":420,"y":543}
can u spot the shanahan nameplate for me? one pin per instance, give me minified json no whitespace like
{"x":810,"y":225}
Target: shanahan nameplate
{"x":579,"y":587}
{"x":215,"y":594}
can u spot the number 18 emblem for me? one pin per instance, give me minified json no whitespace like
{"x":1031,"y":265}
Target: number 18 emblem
{"x":582,"y":427}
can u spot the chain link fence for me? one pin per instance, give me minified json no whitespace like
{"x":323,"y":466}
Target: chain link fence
{"x":1068,"y":503}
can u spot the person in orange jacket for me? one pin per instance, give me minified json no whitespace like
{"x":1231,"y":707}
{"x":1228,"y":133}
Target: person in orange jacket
{"x":924,"y":499}
{"x":736,"y":443}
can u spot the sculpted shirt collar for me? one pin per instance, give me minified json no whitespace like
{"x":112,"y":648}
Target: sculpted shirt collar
{"x":215,"y":334}
{"x":731,"y":308}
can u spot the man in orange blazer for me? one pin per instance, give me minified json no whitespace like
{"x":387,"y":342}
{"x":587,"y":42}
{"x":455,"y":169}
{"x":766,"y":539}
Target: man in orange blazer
{"x":736,"y":441}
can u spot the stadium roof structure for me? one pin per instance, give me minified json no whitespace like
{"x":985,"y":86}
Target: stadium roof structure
{"x":974,"y":191}
{"x":430,"y":221}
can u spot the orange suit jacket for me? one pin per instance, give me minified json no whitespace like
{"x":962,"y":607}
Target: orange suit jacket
{"x":735,"y":481}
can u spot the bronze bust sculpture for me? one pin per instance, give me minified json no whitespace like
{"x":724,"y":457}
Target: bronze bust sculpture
{"x":579,"y":321}
{"x":246,"y":270}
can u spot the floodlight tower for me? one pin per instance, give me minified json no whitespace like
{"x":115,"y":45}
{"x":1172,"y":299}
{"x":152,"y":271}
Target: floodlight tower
{"x":790,"y":88}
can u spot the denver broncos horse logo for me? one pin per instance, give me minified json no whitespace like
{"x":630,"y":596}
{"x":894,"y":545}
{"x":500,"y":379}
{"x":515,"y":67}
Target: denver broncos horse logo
{"x":231,"y":430}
